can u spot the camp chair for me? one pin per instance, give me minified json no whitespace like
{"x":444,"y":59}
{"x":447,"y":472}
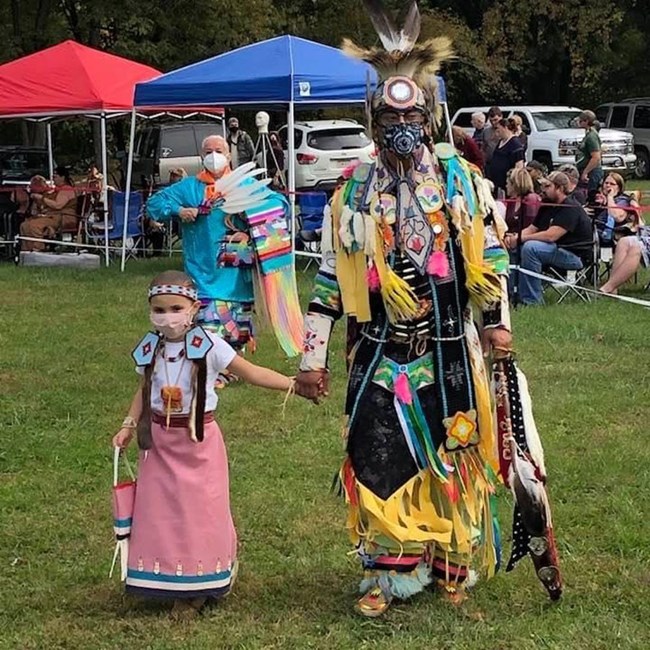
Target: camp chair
{"x":579,"y":280}
{"x":134,"y":230}
{"x":311,"y":208}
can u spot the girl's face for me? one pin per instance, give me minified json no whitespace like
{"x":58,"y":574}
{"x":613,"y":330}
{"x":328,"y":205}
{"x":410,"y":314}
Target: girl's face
{"x":168,"y":304}
{"x":172,"y":315}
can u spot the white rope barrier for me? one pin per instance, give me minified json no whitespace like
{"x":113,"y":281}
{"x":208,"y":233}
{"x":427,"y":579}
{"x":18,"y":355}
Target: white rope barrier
{"x":579,"y":287}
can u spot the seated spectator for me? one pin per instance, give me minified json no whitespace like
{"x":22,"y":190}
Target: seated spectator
{"x":478,"y":122}
{"x":560,"y":237}
{"x":52,"y":211}
{"x":537,"y":171}
{"x":466,"y":146}
{"x":507,"y":155}
{"x":632,"y":237}
{"x":524,"y":203}
{"x":514,"y":124}
{"x":577,"y":193}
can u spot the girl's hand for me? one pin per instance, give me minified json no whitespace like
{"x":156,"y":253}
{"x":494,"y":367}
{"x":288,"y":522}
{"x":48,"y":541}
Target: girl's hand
{"x":122,"y":438}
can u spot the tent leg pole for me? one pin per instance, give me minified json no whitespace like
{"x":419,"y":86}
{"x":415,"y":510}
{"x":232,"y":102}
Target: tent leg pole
{"x":127,"y":196}
{"x":291,"y":151}
{"x":50,"y":151}
{"x":102,"y":123}
{"x":450,"y":135}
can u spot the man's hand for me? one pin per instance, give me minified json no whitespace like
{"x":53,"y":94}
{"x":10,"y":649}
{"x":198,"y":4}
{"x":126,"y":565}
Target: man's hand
{"x":510,"y":240}
{"x":584,"y":177}
{"x":312,"y":384}
{"x":188,"y":214}
{"x":496,"y":340}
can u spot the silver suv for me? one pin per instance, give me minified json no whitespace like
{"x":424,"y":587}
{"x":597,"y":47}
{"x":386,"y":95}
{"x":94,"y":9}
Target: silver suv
{"x":162,"y":147}
{"x":632,"y":115}
{"x":324,"y":148}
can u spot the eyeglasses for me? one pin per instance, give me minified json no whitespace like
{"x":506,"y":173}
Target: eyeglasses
{"x":392,"y":117}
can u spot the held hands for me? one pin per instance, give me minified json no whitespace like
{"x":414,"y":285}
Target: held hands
{"x":188,"y":214}
{"x":123,"y":437}
{"x":312,"y":384}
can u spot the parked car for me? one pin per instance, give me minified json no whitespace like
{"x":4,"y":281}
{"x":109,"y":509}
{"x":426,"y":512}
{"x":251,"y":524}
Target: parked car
{"x":553,"y":136}
{"x":18,"y":164}
{"x":165,"y":146}
{"x":324,"y":148}
{"x":633,"y":115}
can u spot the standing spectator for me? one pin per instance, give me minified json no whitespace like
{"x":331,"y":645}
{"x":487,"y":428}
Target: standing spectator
{"x":578,"y":194}
{"x":508,"y":154}
{"x":589,"y":154}
{"x":515,"y":124}
{"x":478,"y":122}
{"x":490,"y":136}
{"x":560,"y":238}
{"x":241,"y":144}
{"x":275,"y":161}
{"x":467,"y":147}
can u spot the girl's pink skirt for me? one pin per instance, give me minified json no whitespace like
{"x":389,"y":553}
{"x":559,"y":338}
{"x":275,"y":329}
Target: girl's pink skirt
{"x":183,"y":542}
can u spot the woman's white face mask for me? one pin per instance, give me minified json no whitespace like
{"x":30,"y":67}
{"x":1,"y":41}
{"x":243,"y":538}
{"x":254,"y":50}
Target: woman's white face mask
{"x":215,"y":162}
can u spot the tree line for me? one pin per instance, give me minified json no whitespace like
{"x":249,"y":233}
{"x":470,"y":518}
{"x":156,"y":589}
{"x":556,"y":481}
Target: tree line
{"x":569,"y":52}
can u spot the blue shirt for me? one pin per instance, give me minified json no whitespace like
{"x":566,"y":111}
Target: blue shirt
{"x":202,"y":239}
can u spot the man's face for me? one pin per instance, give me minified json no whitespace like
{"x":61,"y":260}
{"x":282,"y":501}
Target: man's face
{"x":495,"y":119}
{"x":547,"y":188}
{"x":478,"y":123}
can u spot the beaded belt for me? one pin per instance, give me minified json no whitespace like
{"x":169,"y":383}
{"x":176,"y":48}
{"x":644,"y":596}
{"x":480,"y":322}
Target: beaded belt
{"x":179,"y":421}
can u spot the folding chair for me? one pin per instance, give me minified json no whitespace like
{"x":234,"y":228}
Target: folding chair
{"x":134,"y":230}
{"x":579,"y":280}
{"x":311,"y":208}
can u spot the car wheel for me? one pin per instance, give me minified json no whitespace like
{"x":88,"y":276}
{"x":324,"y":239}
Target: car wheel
{"x":642,"y":168}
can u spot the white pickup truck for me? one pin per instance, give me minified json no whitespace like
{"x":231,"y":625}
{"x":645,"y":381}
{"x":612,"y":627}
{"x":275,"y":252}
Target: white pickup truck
{"x":553,"y":136}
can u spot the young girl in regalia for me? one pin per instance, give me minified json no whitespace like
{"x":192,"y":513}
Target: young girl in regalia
{"x":183,"y":543}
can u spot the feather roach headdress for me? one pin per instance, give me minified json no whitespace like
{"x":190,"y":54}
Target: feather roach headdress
{"x":406,"y":69}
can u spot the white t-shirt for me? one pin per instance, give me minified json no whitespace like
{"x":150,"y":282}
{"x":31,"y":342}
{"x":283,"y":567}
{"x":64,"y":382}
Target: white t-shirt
{"x":177,"y":371}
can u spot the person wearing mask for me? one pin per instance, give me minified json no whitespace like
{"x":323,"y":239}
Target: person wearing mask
{"x":589,"y":154}
{"x":508,"y":154}
{"x":478,"y":122}
{"x":54,"y":210}
{"x":560,"y":237}
{"x":218,"y":248}
{"x":242,"y":148}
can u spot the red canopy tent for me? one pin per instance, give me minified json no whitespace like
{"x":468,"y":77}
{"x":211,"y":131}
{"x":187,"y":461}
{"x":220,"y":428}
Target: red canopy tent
{"x":69,"y":79}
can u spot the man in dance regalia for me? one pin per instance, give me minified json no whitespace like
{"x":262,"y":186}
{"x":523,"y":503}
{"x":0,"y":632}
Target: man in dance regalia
{"x":413,"y":256}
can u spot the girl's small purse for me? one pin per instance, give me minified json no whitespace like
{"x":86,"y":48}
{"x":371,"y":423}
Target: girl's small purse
{"x":123,"y":502}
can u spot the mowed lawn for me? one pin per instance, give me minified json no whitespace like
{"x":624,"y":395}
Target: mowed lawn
{"x":66,"y":379}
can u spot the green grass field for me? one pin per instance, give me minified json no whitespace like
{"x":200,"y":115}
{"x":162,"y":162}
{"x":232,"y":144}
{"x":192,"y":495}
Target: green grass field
{"x":65,"y":382}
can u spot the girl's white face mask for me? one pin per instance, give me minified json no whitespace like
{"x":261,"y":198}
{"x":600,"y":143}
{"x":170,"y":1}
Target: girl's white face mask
{"x":215,"y":162}
{"x":172,"y":325}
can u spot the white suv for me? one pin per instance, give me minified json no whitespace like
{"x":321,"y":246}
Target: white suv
{"x":553,"y":136}
{"x":324,"y":148}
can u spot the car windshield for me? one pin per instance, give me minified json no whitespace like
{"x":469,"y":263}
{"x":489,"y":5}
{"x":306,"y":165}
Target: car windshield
{"x":22,"y":165}
{"x":336,"y":139}
{"x":556,"y":120}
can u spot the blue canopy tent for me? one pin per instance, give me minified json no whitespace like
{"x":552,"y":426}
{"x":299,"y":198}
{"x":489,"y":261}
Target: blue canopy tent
{"x":285,"y":71}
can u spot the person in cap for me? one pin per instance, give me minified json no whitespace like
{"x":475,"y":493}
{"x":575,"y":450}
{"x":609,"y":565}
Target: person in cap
{"x":242,"y":148}
{"x":413,"y":257}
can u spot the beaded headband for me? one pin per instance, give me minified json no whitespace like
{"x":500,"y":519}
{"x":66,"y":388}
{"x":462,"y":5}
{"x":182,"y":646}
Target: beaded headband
{"x":173,"y":290}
